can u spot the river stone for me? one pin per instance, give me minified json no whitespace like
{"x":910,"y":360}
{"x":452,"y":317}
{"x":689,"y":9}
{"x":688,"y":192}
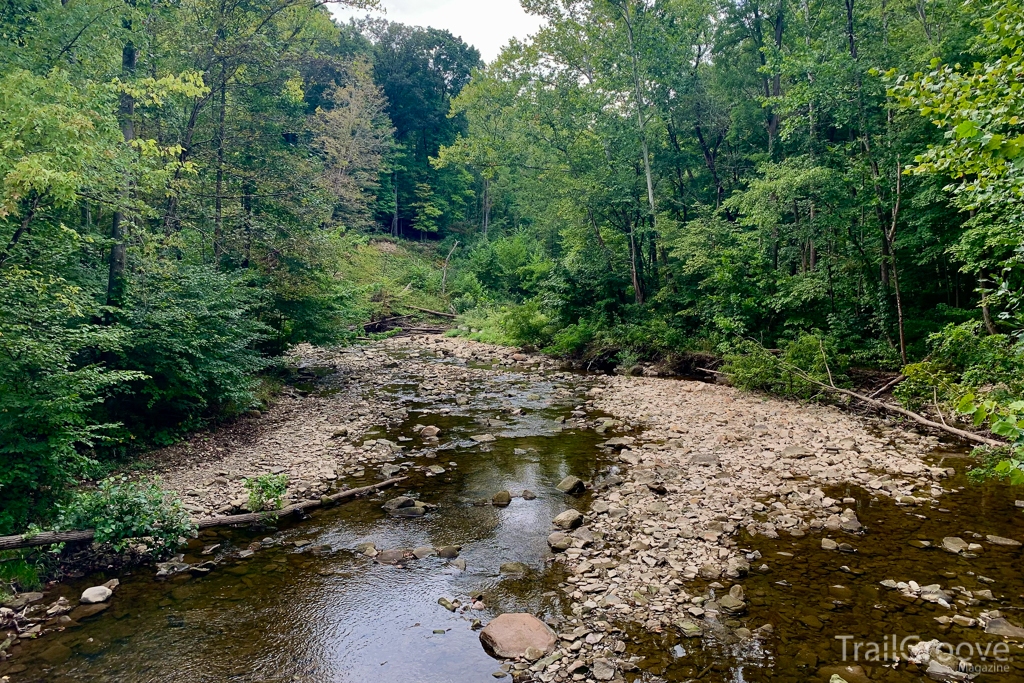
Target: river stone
{"x":559,"y":542}
{"x":484,"y":438}
{"x":603,"y":670}
{"x":368,"y":549}
{"x":391,"y":556}
{"x":428,"y":432}
{"x":572,"y":485}
{"x":501,"y":499}
{"x":514,"y":568}
{"x":449,"y":552}
{"x":797,"y":452}
{"x":851,"y":673}
{"x":399,"y":502}
{"x":1000,"y":540}
{"x":508,"y":636}
{"x":529,"y":495}
{"x":95,"y":595}
{"x":732,"y":605}
{"x":422,"y":552}
{"x":705,"y":459}
{"x":55,"y":654}
{"x":86,"y":611}
{"x":952,"y":544}
{"x":22,"y":600}
{"x":690,"y":629}
{"x":1001,"y":627}
{"x":570,"y":519}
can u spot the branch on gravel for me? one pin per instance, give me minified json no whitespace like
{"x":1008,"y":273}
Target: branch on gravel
{"x":52,"y":537}
{"x":920,"y":419}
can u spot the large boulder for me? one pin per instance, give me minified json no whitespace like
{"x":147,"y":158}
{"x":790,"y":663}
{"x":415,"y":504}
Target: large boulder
{"x":572,"y":485}
{"x":509,"y":635}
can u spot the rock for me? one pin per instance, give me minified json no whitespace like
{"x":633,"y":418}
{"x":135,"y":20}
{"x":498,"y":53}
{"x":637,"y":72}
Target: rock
{"x":570,"y":519}
{"x":392,"y":556}
{"x":435,"y":470}
{"x":96,"y":595}
{"x":508,"y":636}
{"x":501,"y":499}
{"x":945,"y":674}
{"x":449,"y":552}
{"x":707,"y":459}
{"x":529,"y":495}
{"x":797,"y":452}
{"x":368,"y":549}
{"x":952,"y":544}
{"x":690,"y":629}
{"x":398,"y":503}
{"x":423,"y":552}
{"x":429,"y":432}
{"x":447,"y":604}
{"x":484,"y":438}
{"x":459,"y":564}
{"x":85,"y":611}
{"x":1001,"y":627}
{"x":514,"y":568}
{"x":710,"y":571}
{"x":603,"y":670}
{"x":572,"y":485}
{"x":532,"y":654}
{"x":20,"y":601}
{"x":559,"y":542}
{"x":1000,"y":540}
{"x":731,"y":605}
{"x":829,"y":544}
{"x":836,"y":678}
{"x":851,"y":673}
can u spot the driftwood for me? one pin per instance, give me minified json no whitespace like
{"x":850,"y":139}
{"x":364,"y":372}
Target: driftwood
{"x":887,"y":387}
{"x":51,"y":537}
{"x":427,"y":310}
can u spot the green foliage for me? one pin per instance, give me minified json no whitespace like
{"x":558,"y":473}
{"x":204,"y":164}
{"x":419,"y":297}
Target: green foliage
{"x":124,"y":512}
{"x":1007,"y":421}
{"x":266,"y":492}
{"x":750,"y":366}
{"x":19,"y":571}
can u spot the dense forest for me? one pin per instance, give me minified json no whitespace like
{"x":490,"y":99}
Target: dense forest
{"x":186,"y":186}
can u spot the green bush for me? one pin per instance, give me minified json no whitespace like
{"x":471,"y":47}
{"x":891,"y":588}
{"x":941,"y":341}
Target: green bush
{"x":266,"y":492}
{"x":123,"y":511}
{"x":751,"y":366}
{"x":195,"y":335}
{"x":49,"y":391}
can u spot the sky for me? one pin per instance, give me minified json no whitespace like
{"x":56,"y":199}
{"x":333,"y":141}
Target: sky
{"x":486,"y":24}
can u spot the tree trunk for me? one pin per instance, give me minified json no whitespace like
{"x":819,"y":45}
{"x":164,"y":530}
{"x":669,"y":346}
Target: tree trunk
{"x":218,"y":222}
{"x":115,"y":278}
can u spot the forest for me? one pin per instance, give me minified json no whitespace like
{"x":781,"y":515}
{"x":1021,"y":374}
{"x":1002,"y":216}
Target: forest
{"x":191,"y":189}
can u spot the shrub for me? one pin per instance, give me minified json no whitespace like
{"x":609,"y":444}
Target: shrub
{"x":751,"y":366}
{"x":123,"y":511}
{"x":266,"y":492}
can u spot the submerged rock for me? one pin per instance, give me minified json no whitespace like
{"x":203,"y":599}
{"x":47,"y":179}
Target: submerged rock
{"x":508,"y":636}
{"x":501,"y":499}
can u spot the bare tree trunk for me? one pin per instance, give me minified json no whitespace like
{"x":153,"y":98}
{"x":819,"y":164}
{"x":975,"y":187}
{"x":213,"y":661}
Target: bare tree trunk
{"x":115,"y":278}
{"x":986,"y":312}
{"x":394,"y":219}
{"x":218,"y":224}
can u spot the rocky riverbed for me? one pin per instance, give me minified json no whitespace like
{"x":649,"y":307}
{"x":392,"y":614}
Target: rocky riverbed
{"x":661,"y":530}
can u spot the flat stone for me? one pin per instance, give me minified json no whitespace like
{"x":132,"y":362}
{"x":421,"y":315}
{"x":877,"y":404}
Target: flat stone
{"x":96,"y":595}
{"x":797,"y":452}
{"x":392,"y":556}
{"x":570,"y":519}
{"x":1002,"y":627}
{"x":732,"y":605}
{"x":514,"y":568}
{"x":508,"y":636}
{"x":952,"y":544}
{"x":423,"y":552}
{"x":399,"y":502}
{"x":851,"y":673}
{"x":603,"y":670}
{"x":829,"y":544}
{"x":1000,"y":540}
{"x":709,"y":459}
{"x":449,"y":552}
{"x":86,"y":611}
{"x":484,"y":438}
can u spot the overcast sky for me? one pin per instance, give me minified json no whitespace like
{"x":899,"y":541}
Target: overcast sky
{"x":486,"y":24}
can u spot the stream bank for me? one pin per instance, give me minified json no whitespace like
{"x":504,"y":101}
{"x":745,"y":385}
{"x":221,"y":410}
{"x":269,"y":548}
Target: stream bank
{"x":704,"y":550}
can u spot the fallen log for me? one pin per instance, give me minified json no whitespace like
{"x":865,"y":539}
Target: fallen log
{"x":889,"y":408}
{"x":52,"y":537}
{"x":887,"y":387}
{"x":427,"y":310}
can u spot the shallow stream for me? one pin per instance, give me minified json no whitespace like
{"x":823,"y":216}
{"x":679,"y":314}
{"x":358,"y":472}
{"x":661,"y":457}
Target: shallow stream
{"x":324,"y":612}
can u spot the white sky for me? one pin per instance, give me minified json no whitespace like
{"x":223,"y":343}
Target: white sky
{"x":486,"y":24}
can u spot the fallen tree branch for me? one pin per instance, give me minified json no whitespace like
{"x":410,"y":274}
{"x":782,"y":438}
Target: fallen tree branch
{"x":920,"y":419}
{"x":887,"y":387}
{"x":52,"y":537}
{"x":427,"y":310}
